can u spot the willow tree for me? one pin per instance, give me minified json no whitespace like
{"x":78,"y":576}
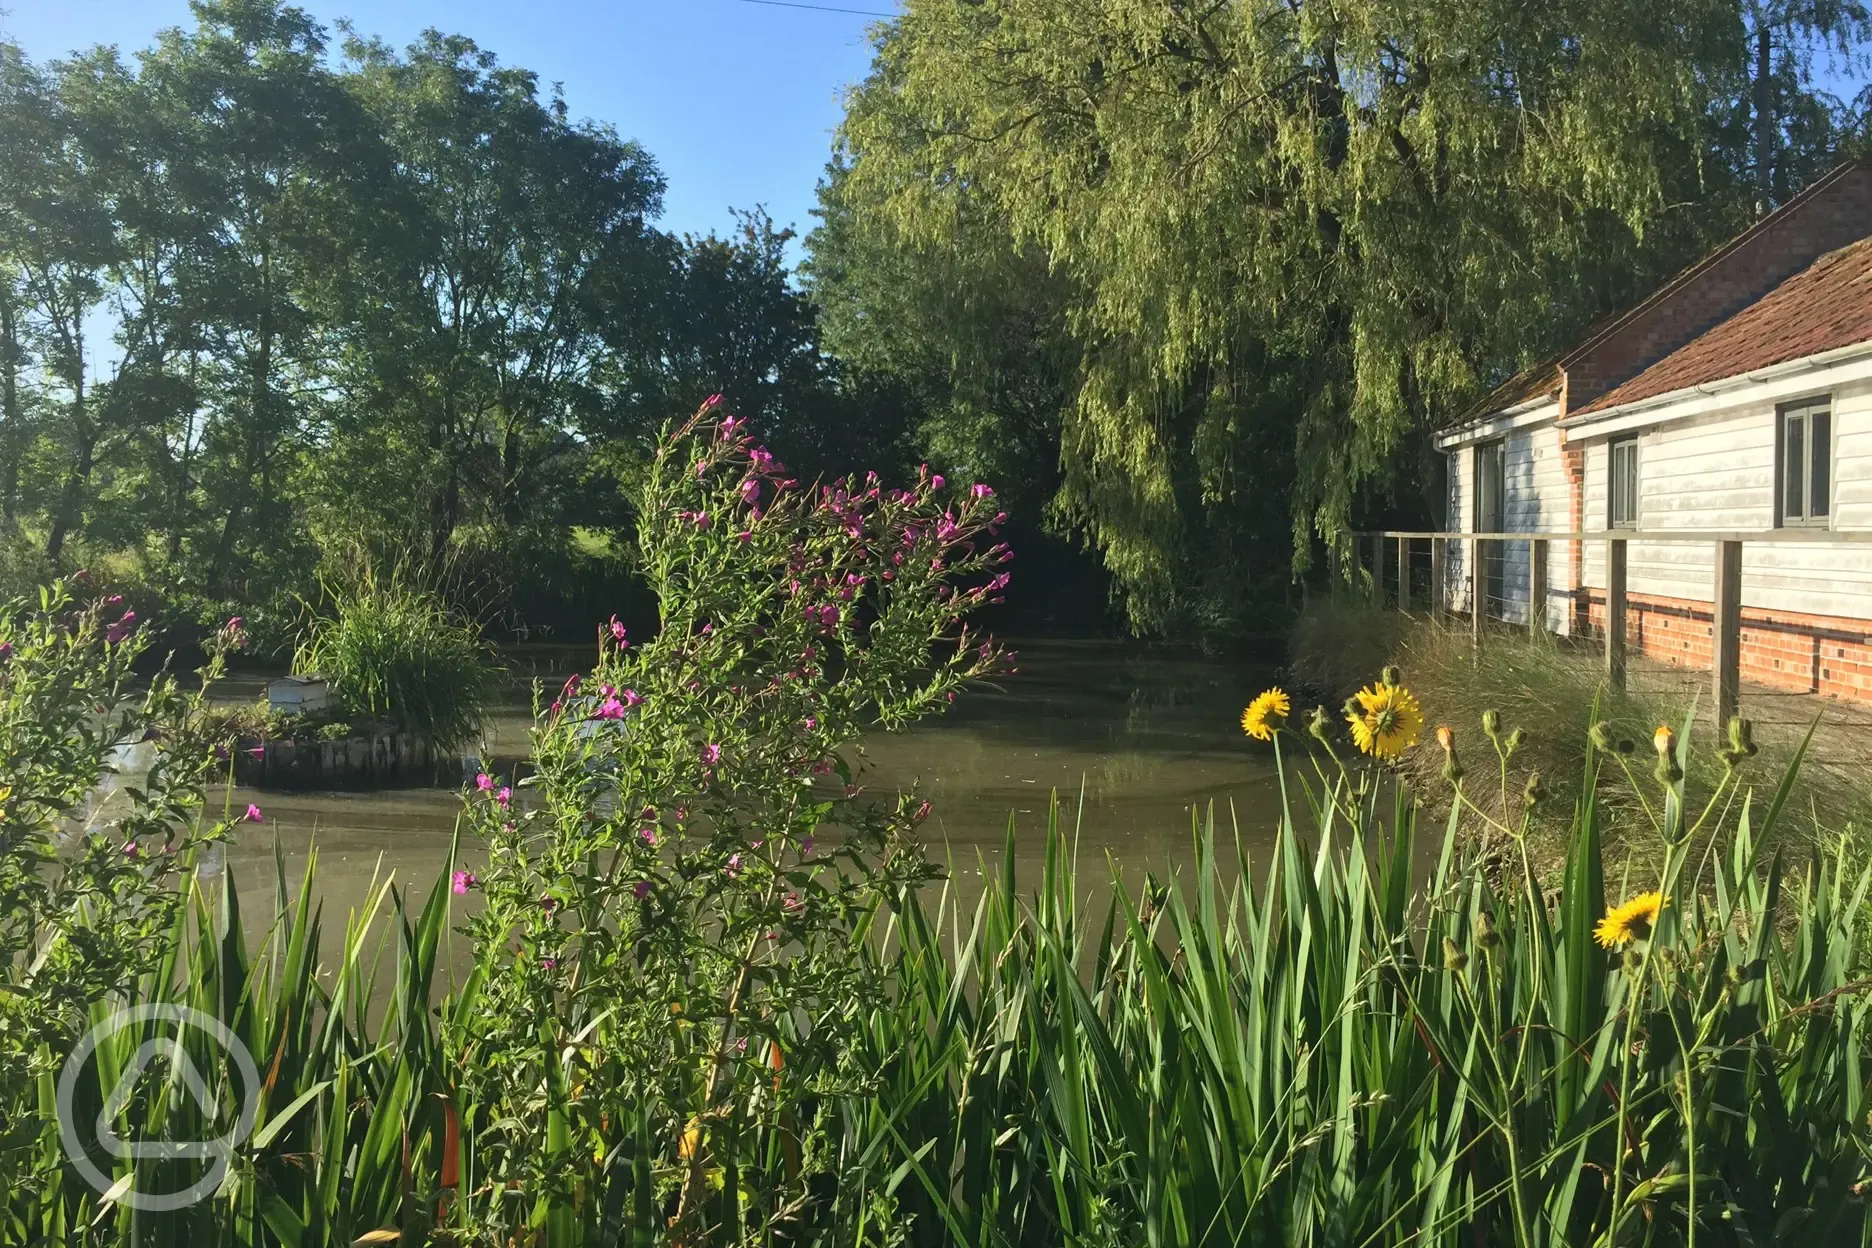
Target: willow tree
{"x":1293,"y":224}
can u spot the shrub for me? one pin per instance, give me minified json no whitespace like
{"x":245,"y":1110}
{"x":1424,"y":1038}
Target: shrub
{"x":100,"y":793}
{"x":395,"y":650}
{"x":669,"y":975}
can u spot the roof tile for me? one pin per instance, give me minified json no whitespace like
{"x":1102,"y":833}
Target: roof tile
{"x":1827,"y":306}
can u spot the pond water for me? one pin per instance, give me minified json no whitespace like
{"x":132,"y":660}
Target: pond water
{"x":1147,"y":735}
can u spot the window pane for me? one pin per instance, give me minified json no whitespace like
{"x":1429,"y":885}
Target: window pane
{"x":1625,"y":483}
{"x":1820,"y":448}
{"x":1793,"y":454}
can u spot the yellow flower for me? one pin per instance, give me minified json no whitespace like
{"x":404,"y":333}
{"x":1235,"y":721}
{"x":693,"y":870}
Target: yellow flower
{"x":1630,"y":921}
{"x":1386,"y":721}
{"x":1266,"y":713}
{"x":1664,"y":741}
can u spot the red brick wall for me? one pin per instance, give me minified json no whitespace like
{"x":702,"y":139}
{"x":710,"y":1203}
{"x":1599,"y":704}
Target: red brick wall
{"x":1833,"y":215}
{"x":1787,"y":650}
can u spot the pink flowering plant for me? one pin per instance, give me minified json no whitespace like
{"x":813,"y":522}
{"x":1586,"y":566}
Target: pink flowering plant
{"x":673,"y":917}
{"x":101,"y":779}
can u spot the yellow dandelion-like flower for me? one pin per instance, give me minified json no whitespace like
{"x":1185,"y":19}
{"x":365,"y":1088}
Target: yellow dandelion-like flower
{"x":1629,"y":921}
{"x":1266,"y":713}
{"x":1386,"y":720}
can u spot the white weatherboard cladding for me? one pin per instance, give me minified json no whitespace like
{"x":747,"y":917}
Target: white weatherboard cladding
{"x":1537,"y":500}
{"x":1716,"y":472}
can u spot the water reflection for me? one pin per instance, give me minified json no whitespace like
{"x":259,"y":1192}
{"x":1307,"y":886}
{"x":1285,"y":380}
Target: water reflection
{"x":1135,"y":740}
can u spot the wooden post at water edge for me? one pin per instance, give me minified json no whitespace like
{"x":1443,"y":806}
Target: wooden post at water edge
{"x":1726,"y":632}
{"x":1615,"y":613}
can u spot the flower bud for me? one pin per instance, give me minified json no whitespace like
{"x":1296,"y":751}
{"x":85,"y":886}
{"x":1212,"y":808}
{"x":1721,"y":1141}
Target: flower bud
{"x":1600,"y":734}
{"x":1514,"y":741}
{"x":1491,"y":726}
{"x":1319,"y":726}
{"x":1392,"y":676}
{"x":1535,"y":792}
{"x":1454,"y":959}
{"x":1485,"y":933}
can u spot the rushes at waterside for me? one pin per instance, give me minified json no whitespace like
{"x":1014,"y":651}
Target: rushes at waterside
{"x":1368,"y":1045}
{"x":1367,"y":1040}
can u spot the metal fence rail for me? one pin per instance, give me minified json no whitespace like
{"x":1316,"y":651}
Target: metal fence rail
{"x":1725,"y":597}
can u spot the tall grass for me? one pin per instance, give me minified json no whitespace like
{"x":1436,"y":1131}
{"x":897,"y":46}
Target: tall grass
{"x":395,"y":649}
{"x":1554,"y":689}
{"x":1380,"y":1037}
{"x":1379,"y":1043}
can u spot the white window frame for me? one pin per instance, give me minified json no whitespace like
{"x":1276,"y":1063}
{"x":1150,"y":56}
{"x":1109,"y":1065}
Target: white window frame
{"x":1803,"y":415}
{"x":1613,"y":519}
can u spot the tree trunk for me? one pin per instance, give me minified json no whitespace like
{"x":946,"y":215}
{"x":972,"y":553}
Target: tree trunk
{"x":1764,"y":114}
{"x":12,"y":415}
{"x":72,"y":495}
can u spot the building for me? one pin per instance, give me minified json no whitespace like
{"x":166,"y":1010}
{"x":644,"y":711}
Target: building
{"x":1736,"y":400}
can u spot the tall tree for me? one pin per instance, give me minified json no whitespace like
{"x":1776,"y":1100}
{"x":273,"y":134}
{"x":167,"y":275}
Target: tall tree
{"x":1317,"y":226}
{"x":470,"y":329}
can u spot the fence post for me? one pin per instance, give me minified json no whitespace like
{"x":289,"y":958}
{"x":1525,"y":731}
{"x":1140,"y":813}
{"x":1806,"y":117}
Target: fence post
{"x":1377,"y":570}
{"x":1438,"y":571}
{"x":1726,"y":632}
{"x":1478,"y":589}
{"x":1615,"y":613}
{"x":1403,"y":575}
{"x":1537,"y":586}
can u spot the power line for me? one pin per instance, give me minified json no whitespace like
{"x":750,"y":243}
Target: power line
{"x":822,"y":8}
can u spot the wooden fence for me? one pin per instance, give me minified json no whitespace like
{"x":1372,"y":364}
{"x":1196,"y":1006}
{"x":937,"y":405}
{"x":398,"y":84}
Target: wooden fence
{"x":1725,"y":597}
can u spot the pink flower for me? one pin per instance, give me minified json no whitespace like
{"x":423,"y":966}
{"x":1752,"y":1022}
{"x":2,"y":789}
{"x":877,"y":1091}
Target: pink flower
{"x":642,"y":890}
{"x":979,"y":490}
{"x":571,"y":686}
{"x":711,"y":754}
{"x":806,"y":847}
{"x":745,"y":535}
{"x":611,"y":708}
{"x":733,"y":867}
{"x":549,"y":904}
{"x":504,"y":796}
{"x":647,"y":835}
{"x":712,"y":402}
{"x":793,"y":903}
{"x":131,"y":849}
{"x":253,"y":813}
{"x":258,"y":751}
{"x":811,"y":722}
{"x":462,"y":881}
{"x":632,"y":698}
{"x":750,"y":491}
{"x":617,"y":632}
{"x":484,"y":782}
{"x":937,"y":482}
{"x":701,"y":519}
{"x":922,"y":811}
{"x":121,"y":629}
{"x":547,"y":964}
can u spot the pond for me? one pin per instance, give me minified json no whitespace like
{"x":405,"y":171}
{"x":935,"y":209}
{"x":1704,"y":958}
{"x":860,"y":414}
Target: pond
{"x":1148,"y":735}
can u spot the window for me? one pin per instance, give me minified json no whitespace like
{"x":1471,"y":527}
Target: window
{"x":1804,"y":457}
{"x":1622,"y":492}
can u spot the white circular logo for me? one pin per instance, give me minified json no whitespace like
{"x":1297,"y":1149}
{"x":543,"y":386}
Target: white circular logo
{"x":184,"y":1077}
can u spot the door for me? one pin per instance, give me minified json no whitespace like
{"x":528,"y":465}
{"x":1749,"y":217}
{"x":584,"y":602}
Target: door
{"x":1491,"y":515}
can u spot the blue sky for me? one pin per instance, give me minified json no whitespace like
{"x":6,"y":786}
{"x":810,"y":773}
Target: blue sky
{"x":736,"y":101}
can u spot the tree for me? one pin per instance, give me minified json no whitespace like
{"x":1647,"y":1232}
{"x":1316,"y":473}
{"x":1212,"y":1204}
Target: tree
{"x":1315,"y":227}
{"x":1793,"y":130}
{"x":468,"y":328}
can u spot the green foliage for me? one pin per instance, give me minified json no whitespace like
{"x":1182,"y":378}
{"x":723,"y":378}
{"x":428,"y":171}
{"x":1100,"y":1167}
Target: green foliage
{"x":397,"y":297}
{"x":100,"y":788}
{"x":1394,"y":1042}
{"x":684,"y":882}
{"x":394,"y":649}
{"x":1280,"y":242}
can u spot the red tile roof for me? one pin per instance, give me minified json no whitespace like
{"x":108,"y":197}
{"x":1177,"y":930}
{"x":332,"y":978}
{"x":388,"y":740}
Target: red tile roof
{"x":1827,"y":306}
